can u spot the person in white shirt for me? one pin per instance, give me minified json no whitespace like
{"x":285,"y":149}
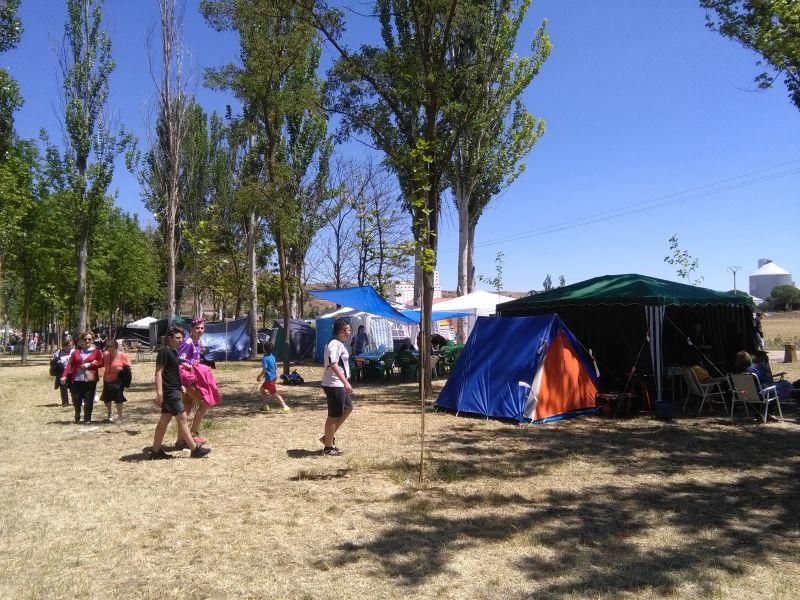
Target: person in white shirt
{"x":336,"y":385}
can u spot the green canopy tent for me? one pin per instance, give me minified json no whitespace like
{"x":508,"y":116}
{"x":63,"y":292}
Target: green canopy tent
{"x":632,"y":320}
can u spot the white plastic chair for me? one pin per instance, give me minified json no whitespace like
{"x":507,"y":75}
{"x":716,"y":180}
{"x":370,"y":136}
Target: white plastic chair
{"x":746,"y":388}
{"x":710,"y":390}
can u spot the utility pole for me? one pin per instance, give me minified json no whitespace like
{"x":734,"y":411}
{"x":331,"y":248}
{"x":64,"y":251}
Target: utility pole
{"x":733,"y":270}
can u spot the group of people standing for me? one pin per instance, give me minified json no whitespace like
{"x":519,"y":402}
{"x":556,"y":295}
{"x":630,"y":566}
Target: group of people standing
{"x":77,"y":370}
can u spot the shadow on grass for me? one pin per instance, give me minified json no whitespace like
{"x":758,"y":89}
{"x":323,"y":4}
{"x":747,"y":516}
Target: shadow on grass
{"x":302,"y":453}
{"x":306,"y":476}
{"x":136,"y":457}
{"x":675,"y":504}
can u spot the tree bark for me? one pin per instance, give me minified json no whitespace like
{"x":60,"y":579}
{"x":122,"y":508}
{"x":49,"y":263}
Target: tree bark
{"x":279,"y":245}
{"x":471,"y":259}
{"x":82,"y":260}
{"x":251,"y":274}
{"x":462,"y":287}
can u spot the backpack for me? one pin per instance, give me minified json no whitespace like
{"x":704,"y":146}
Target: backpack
{"x":56,"y":366}
{"x":292,"y":378}
{"x":125,"y":376}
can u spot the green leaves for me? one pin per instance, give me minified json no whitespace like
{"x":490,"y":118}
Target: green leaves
{"x":770,"y":28}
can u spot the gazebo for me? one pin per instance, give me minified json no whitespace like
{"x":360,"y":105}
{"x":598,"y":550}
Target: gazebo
{"x":638,"y":322}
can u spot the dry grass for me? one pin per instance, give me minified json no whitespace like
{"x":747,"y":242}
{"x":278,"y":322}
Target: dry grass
{"x":588,"y":508}
{"x":780,"y":329}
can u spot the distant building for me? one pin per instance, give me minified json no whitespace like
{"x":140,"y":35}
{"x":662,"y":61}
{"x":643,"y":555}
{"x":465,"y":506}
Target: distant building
{"x":766,"y":277}
{"x":402,"y":292}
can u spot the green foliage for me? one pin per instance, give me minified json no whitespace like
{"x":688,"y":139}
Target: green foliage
{"x":10,"y":98}
{"x":683,"y":262}
{"x":497,"y":281}
{"x":86,"y":167}
{"x":770,"y":28}
{"x":783,"y":297}
{"x":284,"y":177}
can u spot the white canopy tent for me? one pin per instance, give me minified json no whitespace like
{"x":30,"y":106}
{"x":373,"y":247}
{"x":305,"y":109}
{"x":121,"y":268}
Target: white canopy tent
{"x":479,"y":303}
{"x":143,"y":323}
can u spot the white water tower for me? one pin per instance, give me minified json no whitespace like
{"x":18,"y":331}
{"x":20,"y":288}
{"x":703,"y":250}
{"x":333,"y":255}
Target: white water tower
{"x":767,"y":276}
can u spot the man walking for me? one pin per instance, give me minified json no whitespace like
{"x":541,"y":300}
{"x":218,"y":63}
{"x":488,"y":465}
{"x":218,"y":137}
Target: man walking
{"x":168,"y":397}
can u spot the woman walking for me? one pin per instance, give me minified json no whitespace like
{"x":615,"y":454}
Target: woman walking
{"x":113,"y":385}
{"x":81,"y":372}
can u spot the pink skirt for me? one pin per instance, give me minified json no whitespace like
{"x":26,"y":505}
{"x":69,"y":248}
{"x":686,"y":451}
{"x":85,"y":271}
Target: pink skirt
{"x":201,"y":377}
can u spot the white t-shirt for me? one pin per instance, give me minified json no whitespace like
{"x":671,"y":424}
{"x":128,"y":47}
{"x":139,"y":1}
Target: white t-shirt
{"x":335,"y":353}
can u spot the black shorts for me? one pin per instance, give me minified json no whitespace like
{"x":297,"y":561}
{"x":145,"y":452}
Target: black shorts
{"x":338,"y":401}
{"x":112,"y":392}
{"x":172,"y":404}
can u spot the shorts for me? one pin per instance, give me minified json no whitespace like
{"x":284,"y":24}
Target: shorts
{"x":112,"y":392}
{"x":172,"y":404}
{"x":338,"y":401}
{"x":270,"y":387}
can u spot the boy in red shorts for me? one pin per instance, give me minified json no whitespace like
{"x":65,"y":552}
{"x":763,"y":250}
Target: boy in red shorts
{"x":269,"y":372}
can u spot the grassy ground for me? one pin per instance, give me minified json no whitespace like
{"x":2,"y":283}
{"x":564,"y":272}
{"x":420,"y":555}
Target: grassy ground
{"x":780,"y":329}
{"x":588,"y":508}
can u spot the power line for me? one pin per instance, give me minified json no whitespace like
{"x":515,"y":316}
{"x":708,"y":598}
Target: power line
{"x":647,"y":205}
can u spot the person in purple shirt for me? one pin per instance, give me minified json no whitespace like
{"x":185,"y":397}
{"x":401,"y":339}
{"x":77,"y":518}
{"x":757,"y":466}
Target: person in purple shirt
{"x":189,"y":359}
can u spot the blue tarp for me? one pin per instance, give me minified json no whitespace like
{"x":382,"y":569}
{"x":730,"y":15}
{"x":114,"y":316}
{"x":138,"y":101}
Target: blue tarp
{"x":496,"y":369}
{"x":366,"y":299}
{"x":227,"y":340}
{"x":363,"y":298}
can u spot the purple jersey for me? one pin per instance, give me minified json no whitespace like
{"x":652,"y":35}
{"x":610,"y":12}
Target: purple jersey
{"x":189,"y":352}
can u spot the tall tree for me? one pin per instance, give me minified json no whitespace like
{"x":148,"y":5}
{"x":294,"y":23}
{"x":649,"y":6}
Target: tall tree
{"x":17,"y":217}
{"x":497,"y":130}
{"x":401,"y":94}
{"x":10,"y":101}
{"x":278,"y":87}
{"x":771,"y":28}
{"x":90,"y":146}
{"x":10,"y":98}
{"x":174,"y":110}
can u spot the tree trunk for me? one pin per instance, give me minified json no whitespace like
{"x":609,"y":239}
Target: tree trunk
{"x":462,"y":287}
{"x":251,"y":273}
{"x":3,"y":315}
{"x":285,"y":300}
{"x":26,"y":310}
{"x":169,"y":238}
{"x":471,"y":259}
{"x":82,"y":258}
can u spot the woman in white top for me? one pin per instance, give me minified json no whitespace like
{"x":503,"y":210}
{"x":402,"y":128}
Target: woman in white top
{"x":336,"y":385}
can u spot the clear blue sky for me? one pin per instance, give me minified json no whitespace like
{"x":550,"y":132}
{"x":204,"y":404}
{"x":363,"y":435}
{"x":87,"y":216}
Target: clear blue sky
{"x":642,"y":103}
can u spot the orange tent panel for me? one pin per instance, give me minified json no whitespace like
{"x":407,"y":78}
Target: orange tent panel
{"x":565,"y":384}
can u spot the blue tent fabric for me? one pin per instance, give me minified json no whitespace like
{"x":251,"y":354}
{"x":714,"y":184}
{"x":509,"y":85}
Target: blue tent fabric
{"x":495,"y":371}
{"x":363,"y":298}
{"x":227,"y":340}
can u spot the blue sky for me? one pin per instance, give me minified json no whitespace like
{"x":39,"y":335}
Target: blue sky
{"x":642,"y":104}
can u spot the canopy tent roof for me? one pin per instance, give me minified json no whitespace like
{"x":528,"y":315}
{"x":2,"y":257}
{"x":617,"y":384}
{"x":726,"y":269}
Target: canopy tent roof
{"x":628,"y":289}
{"x":143,"y":323}
{"x":366,"y":299}
{"x":480,"y":301}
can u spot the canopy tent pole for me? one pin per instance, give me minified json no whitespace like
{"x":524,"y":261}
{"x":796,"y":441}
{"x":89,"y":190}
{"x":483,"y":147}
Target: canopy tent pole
{"x":655,"y":327}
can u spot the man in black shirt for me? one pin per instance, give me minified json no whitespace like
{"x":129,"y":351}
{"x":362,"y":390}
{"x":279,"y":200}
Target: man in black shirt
{"x":168,"y":397}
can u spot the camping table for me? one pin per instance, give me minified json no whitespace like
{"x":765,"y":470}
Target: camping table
{"x":365,"y":360}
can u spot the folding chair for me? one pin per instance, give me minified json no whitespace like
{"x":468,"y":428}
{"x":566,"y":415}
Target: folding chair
{"x":710,"y":390}
{"x":746,"y":389}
